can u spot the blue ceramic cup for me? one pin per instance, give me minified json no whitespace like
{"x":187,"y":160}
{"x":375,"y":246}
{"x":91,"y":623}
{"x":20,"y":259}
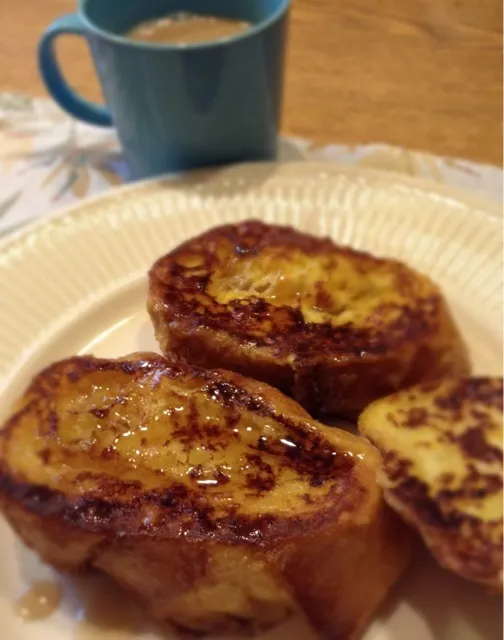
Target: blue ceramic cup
{"x":179,"y":106}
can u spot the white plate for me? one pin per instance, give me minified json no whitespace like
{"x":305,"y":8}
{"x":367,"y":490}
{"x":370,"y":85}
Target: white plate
{"x":76,"y":282}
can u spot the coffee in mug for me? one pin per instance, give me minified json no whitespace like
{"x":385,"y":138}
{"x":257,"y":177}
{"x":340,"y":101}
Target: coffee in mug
{"x":187,"y":83}
{"x":187,"y":28}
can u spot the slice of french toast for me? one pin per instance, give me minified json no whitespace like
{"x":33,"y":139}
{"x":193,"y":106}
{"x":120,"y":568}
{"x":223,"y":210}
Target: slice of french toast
{"x":217,"y":501}
{"x":332,"y":327}
{"x":442,"y":469}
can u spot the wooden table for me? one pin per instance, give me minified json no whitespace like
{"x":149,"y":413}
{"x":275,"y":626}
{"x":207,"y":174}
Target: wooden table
{"x":424,"y":74}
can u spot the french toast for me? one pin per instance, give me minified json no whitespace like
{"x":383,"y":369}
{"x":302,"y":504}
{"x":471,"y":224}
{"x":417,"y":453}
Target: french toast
{"x":214,"y":499}
{"x":442,"y":469}
{"x":332,"y":327}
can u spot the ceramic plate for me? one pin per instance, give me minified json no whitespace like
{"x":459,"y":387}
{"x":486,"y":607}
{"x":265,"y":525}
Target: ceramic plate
{"x":76,"y":283}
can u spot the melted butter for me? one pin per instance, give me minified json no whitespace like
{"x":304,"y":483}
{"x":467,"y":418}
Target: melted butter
{"x":326,"y":288}
{"x":39,"y":602}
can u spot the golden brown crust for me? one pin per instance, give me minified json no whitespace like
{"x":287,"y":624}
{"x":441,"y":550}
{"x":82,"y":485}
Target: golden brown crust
{"x":442,"y":469}
{"x":332,"y":327}
{"x":112,"y":501}
{"x":199,"y":491}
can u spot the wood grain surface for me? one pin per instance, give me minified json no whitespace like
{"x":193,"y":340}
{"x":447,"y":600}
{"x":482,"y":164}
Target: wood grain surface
{"x":424,"y":74}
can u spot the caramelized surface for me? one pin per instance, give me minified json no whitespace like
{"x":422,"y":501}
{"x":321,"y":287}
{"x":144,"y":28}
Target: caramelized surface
{"x":334,"y":287}
{"x":185,"y":442}
{"x":333,"y":328}
{"x":442,"y":444}
{"x":291,"y":292}
{"x":212,"y":498}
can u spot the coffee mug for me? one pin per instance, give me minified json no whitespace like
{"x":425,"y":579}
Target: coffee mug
{"x":178,"y":106}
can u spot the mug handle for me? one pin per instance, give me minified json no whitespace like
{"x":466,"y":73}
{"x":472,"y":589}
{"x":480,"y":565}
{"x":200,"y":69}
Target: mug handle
{"x":54,"y":80}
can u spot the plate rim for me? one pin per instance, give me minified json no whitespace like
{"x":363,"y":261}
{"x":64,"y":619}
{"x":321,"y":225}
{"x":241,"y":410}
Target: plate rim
{"x":429,"y":187}
{"x":485,"y":210}
{"x":297,"y":173}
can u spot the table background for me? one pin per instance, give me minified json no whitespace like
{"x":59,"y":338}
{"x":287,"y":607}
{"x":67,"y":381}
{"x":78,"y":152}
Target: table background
{"x":422,"y":74}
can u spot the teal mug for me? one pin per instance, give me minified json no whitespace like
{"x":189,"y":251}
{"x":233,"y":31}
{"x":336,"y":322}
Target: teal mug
{"x":179,"y":106}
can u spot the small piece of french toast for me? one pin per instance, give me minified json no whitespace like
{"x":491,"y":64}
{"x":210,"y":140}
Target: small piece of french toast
{"x":214,"y":499}
{"x":332,"y":327}
{"x":442,"y":469}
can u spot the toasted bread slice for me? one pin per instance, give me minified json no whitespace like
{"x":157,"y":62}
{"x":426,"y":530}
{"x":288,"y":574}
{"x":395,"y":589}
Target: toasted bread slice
{"x":442,"y":469}
{"x":214,"y":499}
{"x":333,"y":328}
